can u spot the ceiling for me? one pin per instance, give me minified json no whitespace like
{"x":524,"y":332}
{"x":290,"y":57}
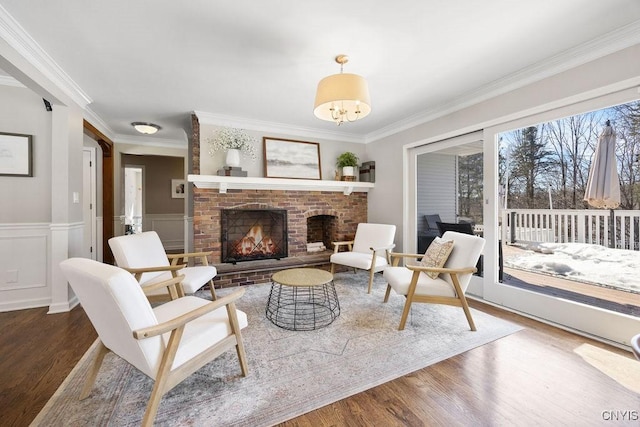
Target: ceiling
{"x":256,"y":64}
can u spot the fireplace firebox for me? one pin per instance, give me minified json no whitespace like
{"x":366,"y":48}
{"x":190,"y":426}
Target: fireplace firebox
{"x":253,"y":234}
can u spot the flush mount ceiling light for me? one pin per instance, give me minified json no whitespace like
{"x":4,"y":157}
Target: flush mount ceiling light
{"x":342,"y":97}
{"x":146,"y":128}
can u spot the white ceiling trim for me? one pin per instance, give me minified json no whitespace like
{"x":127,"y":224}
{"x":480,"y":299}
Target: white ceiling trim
{"x":98,"y":123}
{"x":16,"y":37}
{"x":619,"y":39}
{"x":10,"y":81}
{"x":277,"y":128}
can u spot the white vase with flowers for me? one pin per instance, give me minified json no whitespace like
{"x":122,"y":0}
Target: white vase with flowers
{"x":235,"y":142}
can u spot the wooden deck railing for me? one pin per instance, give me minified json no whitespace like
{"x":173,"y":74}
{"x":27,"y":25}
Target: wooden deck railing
{"x":573,"y":226}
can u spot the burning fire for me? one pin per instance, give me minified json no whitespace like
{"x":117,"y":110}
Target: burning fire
{"x":255,"y":243}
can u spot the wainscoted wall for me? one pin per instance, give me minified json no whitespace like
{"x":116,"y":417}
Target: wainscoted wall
{"x":24,"y":269}
{"x":29,"y":272}
{"x":170,"y":228}
{"x":300,"y":205}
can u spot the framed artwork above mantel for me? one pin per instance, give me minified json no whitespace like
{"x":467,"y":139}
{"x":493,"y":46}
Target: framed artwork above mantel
{"x":288,"y":158}
{"x":16,"y":156}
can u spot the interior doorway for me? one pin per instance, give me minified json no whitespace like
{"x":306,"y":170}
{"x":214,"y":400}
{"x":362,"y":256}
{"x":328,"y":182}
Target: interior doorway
{"x":133,"y":198}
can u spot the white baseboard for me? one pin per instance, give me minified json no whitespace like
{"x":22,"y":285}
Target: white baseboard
{"x":24,"y":304}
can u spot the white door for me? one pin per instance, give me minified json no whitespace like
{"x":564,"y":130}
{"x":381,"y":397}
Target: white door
{"x":89,"y":217}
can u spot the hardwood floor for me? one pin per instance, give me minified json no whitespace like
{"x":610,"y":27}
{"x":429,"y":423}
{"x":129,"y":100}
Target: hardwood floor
{"x":38,"y":350}
{"x":532,"y":377}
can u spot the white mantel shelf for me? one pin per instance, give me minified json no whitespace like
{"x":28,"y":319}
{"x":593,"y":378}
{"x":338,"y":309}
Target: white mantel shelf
{"x":224,"y":183}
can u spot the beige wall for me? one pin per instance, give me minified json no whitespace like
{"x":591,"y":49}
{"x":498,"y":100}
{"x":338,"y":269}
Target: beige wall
{"x":158,"y":173}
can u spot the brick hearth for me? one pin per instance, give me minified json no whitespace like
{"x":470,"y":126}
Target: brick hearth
{"x":349,"y":210}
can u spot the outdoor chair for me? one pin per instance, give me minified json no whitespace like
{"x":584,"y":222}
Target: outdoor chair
{"x":369,"y":250}
{"x":167,"y":343}
{"x":452,"y":275}
{"x":430,"y":232}
{"x":460,"y":227}
{"x":144,"y":256}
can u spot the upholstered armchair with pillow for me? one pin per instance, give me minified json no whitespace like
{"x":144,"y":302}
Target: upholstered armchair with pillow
{"x":442,"y":277}
{"x":369,"y":250}
{"x":167,"y":343}
{"x":144,"y":256}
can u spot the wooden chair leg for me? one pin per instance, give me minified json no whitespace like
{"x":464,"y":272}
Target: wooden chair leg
{"x":152,"y":405}
{"x":371,"y":273}
{"x":235,"y":328}
{"x":405,"y":314}
{"x":467,"y":312}
{"x":386,"y":295}
{"x":101,"y":352}
{"x":159,"y":387}
{"x":333,"y":268}
{"x":213,"y":290}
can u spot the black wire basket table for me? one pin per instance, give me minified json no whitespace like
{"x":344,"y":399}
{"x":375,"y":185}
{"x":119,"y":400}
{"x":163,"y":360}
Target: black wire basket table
{"x":302,"y":299}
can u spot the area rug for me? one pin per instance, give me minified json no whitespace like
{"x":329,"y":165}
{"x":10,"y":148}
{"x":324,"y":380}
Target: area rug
{"x":290,"y":373}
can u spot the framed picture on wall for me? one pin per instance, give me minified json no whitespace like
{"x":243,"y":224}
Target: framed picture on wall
{"x":178,"y":188}
{"x":286,"y":158}
{"x":16,"y":157}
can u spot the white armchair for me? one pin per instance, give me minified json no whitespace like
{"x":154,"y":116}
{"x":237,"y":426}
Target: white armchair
{"x":167,"y":343}
{"x":448,"y":287}
{"x":369,"y":250}
{"x":143,"y":255}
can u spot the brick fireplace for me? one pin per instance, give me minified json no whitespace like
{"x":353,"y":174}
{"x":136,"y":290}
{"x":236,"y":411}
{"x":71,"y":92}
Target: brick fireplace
{"x":321,"y":216}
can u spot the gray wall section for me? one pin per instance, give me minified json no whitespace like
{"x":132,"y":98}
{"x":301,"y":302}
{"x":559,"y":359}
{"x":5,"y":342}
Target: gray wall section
{"x":26,"y":199}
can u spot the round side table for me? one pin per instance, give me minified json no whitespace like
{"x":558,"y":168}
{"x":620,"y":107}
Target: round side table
{"x":302,"y":299}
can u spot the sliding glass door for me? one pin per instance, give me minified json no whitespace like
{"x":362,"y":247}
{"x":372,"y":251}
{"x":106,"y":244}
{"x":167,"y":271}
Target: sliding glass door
{"x":519,"y":230}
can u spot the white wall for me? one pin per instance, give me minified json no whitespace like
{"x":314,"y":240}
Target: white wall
{"x":38,"y":219}
{"x":39,"y":223}
{"x":608,"y":74}
{"x":25,"y":210}
{"x":329,"y":151}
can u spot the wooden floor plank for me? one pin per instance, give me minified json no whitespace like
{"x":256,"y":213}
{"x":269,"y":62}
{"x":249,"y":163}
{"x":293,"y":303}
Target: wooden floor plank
{"x":532,"y":377}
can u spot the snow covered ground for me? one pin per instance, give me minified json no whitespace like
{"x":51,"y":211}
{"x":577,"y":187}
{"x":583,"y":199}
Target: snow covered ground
{"x":616,"y":268}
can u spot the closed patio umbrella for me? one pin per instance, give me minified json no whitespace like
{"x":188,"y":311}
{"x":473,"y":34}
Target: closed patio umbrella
{"x":603,"y":186}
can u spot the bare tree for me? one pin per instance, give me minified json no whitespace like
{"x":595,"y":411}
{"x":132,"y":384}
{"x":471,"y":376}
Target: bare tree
{"x":580,"y":137}
{"x":470,"y":175}
{"x":627,"y":127}
{"x":530,"y":161}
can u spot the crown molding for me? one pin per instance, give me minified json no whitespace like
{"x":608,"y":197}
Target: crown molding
{"x":16,"y":37}
{"x":277,"y":128}
{"x":101,"y":125}
{"x":10,"y":81}
{"x":607,"y":44}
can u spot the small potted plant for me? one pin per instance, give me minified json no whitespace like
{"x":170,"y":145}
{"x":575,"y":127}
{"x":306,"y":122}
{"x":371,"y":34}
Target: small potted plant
{"x":347,"y":161}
